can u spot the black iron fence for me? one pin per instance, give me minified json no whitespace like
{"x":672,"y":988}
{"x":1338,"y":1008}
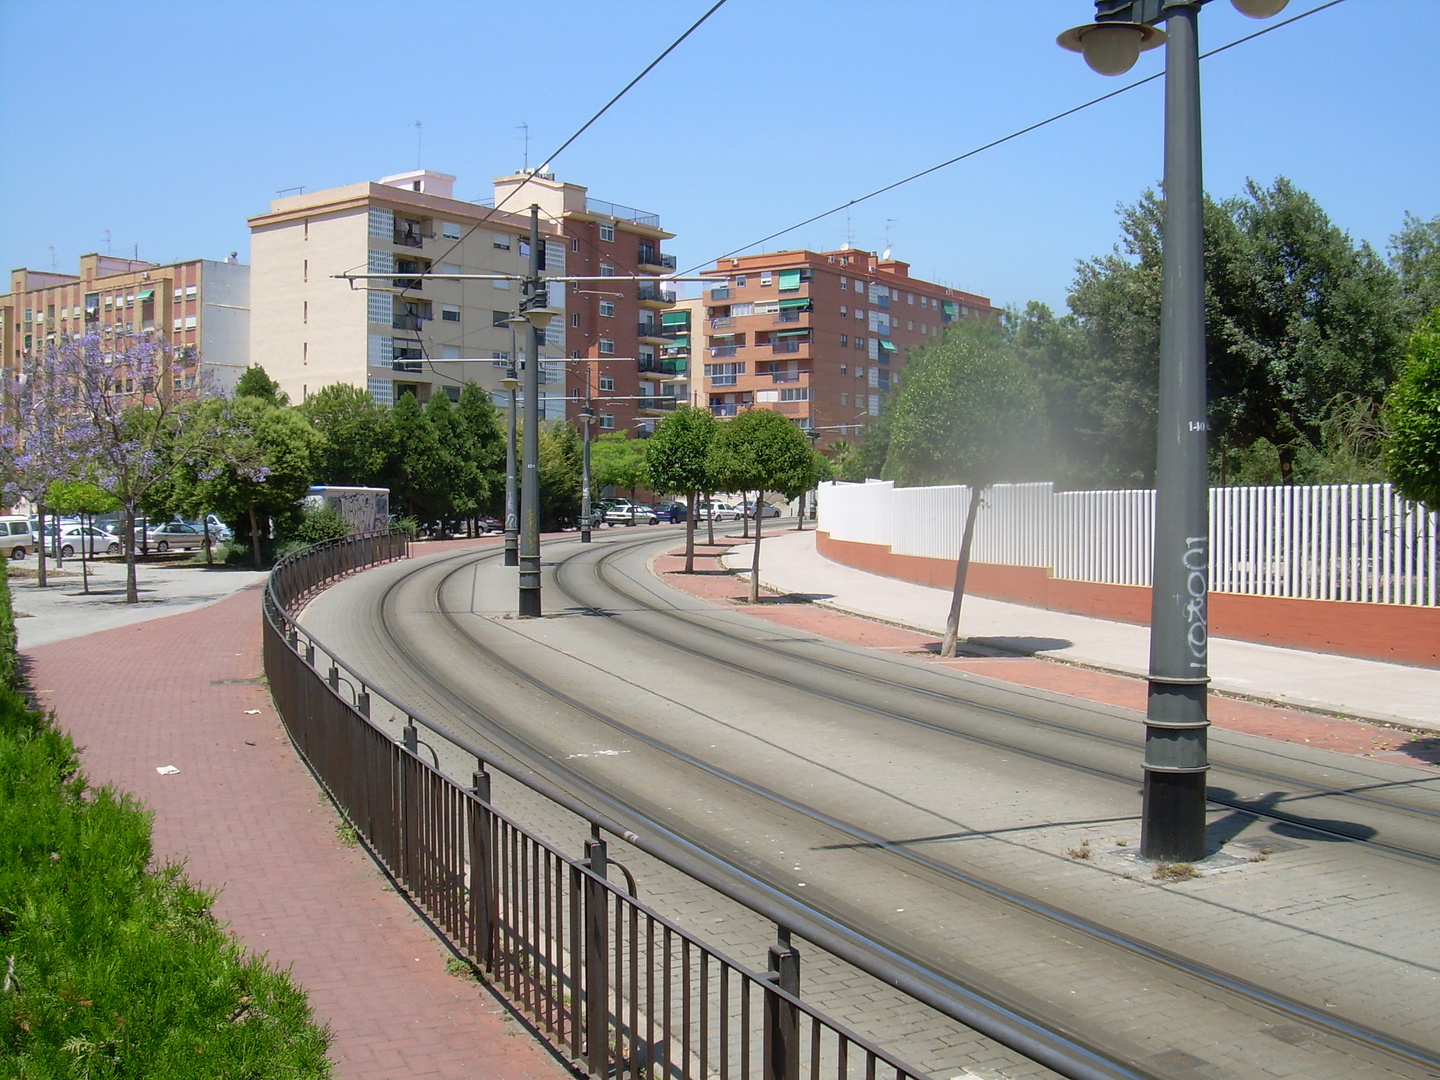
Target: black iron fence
{"x":624,"y":990}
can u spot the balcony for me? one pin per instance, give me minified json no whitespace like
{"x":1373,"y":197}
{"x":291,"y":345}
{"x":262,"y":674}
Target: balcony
{"x":788,"y":316}
{"x":725,"y":409}
{"x":788,"y":345}
{"x":724,"y":322}
{"x":720,"y":292}
{"x":622,"y":213}
{"x":650,"y":256}
{"x":652,"y":330}
{"x":412,"y":366}
{"x":665,"y":365}
{"x":722,"y":351}
{"x":658,"y":404}
{"x":654,"y":294}
{"x":409,"y":237}
{"x":407,"y":322}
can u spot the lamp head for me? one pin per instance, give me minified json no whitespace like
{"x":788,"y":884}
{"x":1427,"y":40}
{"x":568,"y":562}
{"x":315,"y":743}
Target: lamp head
{"x":587,"y":415}
{"x":1259,"y":9}
{"x":1111,"y":48}
{"x":510,"y":382}
{"x":539,"y":317}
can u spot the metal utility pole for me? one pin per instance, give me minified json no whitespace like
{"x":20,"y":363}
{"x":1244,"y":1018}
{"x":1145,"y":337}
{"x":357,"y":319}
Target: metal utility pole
{"x":533,"y":297}
{"x":511,"y":383}
{"x":1176,"y":725}
{"x":587,"y":417}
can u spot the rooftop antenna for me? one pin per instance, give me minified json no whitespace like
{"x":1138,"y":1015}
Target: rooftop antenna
{"x":889,"y":221}
{"x":107,"y":241}
{"x":52,"y":257}
{"x":849,"y":230}
{"x":525,"y":127}
{"x":419,"y":142}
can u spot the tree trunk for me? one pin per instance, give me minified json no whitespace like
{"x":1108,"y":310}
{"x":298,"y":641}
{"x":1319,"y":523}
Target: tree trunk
{"x":690,"y":532}
{"x":132,"y":589}
{"x":41,"y":580}
{"x":55,"y":523}
{"x":800,"y":517}
{"x":755,"y":556}
{"x":85,"y":520}
{"x":710,"y":516}
{"x":255,"y":538}
{"x":744,"y":518}
{"x":209,"y":550}
{"x":962,"y":567}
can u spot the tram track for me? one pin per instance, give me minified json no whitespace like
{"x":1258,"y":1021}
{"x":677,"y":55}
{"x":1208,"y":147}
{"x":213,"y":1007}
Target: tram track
{"x":1294,"y":1010}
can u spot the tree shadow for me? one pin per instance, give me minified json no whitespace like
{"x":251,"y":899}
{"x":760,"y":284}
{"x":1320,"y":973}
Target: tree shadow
{"x":1012,"y":646}
{"x":1425,"y":748}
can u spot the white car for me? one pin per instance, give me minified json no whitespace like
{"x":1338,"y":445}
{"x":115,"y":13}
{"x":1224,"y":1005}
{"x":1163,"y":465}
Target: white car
{"x":175,"y":536}
{"x":87,"y":538}
{"x":720,"y":511}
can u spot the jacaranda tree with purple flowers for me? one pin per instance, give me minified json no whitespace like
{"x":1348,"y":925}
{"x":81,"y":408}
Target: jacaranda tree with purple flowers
{"x":124,"y":399}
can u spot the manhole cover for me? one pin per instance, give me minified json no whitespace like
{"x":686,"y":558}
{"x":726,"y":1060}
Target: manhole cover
{"x":1176,"y":1059}
{"x":1288,"y":1033}
{"x":1269,"y":843}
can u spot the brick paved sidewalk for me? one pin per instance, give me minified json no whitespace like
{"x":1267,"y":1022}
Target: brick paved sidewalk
{"x":187,"y":691}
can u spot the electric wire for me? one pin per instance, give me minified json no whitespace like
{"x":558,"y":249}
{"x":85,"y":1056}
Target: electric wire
{"x":1270,"y":29}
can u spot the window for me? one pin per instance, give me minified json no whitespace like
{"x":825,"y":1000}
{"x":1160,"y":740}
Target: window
{"x":844,"y":312}
{"x":844,"y":344}
{"x":500,"y":241}
{"x":574,"y":243}
{"x":499,"y":318}
{"x":607,"y":233}
{"x":922,"y":329}
{"x":875,"y":377}
{"x":790,"y":280}
{"x":606,"y":270}
{"x":501,"y":284}
{"x":844,"y":399}
{"x":607,"y":382}
{"x":607,"y":347}
{"x":742,"y":309}
{"x":607,"y":309}
{"x":845,"y":283}
{"x":859,"y":314}
{"x":449,"y":352}
{"x":910,"y":298}
{"x":859,"y":372}
{"x":740,"y":280}
{"x":874,"y":409}
{"x":909,"y":324}
{"x":189,"y":323}
{"x":499,"y":354}
{"x":190,"y":291}
{"x":607,"y":420}
{"x":449,"y":314}
{"x":844,"y":370}
{"x":449,"y":230}
{"x":765,"y":277}
{"x":574,"y":318}
{"x":305,"y":311}
{"x":450,"y":268}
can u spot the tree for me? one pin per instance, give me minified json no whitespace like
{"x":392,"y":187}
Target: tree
{"x":760,"y":450}
{"x":132,"y":428}
{"x":559,"y":469}
{"x":416,"y":473}
{"x":820,"y":470}
{"x":1415,"y":257}
{"x":677,"y":458}
{"x":1412,"y":449}
{"x":482,"y":445}
{"x":259,"y":471}
{"x":618,"y":461}
{"x":969,"y":413}
{"x":253,"y":382}
{"x":84,"y":499}
{"x":355,"y":435}
{"x":845,"y":460}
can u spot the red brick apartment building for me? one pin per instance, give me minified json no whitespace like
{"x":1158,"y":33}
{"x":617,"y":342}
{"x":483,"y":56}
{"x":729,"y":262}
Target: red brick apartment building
{"x":615,"y":334}
{"x":821,"y":337}
{"x":203,"y":307}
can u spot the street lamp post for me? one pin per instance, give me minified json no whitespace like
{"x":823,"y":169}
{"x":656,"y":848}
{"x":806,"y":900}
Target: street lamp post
{"x":534,"y":305}
{"x":587,"y":417}
{"x":511,"y":383}
{"x":1176,"y":762}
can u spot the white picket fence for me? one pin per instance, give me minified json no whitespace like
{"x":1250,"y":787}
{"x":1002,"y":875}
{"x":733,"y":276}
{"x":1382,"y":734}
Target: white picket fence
{"x":1333,"y":542}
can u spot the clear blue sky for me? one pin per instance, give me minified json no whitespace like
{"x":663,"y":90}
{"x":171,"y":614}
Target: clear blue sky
{"x":170,"y":123}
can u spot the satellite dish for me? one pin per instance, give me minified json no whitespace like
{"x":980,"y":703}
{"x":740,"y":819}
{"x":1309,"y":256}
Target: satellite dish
{"x":845,"y":246}
{"x":885,"y":255}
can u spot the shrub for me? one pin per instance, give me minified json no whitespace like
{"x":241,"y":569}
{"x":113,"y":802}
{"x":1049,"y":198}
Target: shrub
{"x":319,"y":524}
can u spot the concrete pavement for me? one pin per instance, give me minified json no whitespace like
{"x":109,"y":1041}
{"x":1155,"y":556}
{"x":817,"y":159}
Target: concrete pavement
{"x":1366,"y":689}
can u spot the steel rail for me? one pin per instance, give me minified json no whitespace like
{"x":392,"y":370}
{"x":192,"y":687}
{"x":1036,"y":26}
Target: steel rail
{"x":1069,"y":1054}
{"x":1312,"y":791}
{"x":1242,"y":988}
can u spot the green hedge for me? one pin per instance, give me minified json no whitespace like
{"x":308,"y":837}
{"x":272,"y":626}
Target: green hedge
{"x":120,"y":971}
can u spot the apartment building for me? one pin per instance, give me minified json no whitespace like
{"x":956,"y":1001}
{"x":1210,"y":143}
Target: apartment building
{"x":202,"y":306}
{"x":821,"y":337}
{"x":408,"y":333}
{"x":621,"y":357}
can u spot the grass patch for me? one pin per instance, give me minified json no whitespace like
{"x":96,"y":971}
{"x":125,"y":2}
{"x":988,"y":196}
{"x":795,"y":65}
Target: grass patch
{"x":1081,"y":852}
{"x":1180,"y":871}
{"x":119,"y":970}
{"x":346,"y":834}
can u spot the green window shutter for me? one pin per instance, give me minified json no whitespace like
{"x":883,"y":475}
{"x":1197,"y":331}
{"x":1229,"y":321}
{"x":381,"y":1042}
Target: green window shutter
{"x":147,"y":294}
{"x":681,"y":341}
{"x":791,"y":333}
{"x":789,"y":280}
{"x":795,"y":303}
{"x":888,"y":346}
{"x":675,"y":318}
{"x":950,"y":312}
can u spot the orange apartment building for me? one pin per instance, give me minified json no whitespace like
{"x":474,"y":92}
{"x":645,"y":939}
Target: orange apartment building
{"x":616,"y":337}
{"x":821,"y":337}
{"x":202,"y":306}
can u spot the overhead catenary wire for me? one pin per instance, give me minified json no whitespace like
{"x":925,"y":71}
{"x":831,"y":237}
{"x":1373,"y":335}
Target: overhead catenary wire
{"x":1270,"y":29}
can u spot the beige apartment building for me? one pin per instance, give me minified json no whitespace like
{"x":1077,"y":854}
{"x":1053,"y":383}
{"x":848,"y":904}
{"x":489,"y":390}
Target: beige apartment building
{"x":201,"y":306}
{"x":406,"y":333}
{"x":821,"y":337}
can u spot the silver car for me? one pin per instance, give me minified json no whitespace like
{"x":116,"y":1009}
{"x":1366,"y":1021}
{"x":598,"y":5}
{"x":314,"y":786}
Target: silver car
{"x":87,"y":538}
{"x":175,"y":536}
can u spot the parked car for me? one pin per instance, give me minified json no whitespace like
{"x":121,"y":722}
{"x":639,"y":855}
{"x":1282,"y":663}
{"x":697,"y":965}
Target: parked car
{"x":175,"y":536}
{"x":719,"y":511}
{"x":489,"y":525}
{"x":17,"y":537}
{"x":672,"y":511}
{"x":770,"y":509}
{"x":86,"y":538}
{"x":623,"y":513}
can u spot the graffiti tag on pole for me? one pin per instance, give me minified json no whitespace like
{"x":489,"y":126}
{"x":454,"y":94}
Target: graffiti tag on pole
{"x":1197,"y":566}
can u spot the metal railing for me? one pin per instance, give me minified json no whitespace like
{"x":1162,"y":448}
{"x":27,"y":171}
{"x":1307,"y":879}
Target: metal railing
{"x":623,"y":989}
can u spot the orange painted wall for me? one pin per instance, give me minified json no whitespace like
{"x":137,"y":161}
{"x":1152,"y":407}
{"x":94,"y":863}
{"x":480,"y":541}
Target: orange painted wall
{"x":1393,"y":632}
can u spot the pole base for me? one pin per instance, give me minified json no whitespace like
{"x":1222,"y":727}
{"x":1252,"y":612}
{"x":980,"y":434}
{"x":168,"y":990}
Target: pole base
{"x":1172,"y":826}
{"x":512,"y":554}
{"x":529,"y":606}
{"x":585,"y":536}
